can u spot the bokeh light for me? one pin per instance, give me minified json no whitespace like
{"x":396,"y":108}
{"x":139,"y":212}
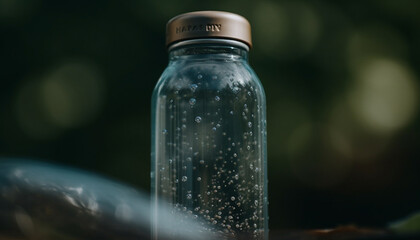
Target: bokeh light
{"x":385,"y":96}
{"x":286,"y":29}
{"x":73,"y":94}
{"x":69,"y":96}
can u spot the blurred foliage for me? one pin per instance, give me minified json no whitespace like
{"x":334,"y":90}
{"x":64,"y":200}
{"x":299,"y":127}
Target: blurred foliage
{"x":341,"y":78}
{"x":409,"y":225}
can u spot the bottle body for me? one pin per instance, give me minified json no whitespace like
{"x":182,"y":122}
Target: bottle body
{"x":209,"y":141}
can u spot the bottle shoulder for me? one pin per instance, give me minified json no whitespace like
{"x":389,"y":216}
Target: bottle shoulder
{"x":213,"y":74}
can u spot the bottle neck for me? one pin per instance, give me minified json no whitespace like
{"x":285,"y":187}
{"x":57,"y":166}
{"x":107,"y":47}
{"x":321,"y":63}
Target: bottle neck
{"x":223,"y":50}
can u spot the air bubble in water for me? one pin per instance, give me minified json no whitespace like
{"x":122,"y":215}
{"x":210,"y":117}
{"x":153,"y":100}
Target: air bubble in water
{"x":199,"y":76}
{"x":256,"y":202}
{"x":217,"y":98}
{"x":249,"y":124}
{"x":184,"y":178}
{"x":231,"y":112}
{"x":198,"y":119}
{"x":164,"y":131}
{"x":192,"y":101}
{"x":199,"y":179}
{"x":214,"y":77}
{"x":193,"y":87}
{"x":189,"y":196}
{"x":214,"y":129}
{"x":201,"y":161}
{"x":232,"y":198}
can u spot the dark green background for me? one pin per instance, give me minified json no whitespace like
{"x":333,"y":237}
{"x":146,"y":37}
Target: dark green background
{"x":341,"y":79}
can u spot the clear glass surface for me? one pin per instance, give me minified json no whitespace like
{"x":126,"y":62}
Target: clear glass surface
{"x":209,"y":141}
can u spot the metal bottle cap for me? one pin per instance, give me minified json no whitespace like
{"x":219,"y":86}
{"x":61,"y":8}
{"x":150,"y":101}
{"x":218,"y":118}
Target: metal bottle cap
{"x":208,"y":25}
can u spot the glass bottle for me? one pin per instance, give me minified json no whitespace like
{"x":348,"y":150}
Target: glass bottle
{"x":209,"y":128}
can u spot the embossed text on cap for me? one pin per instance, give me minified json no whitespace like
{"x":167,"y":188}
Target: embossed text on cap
{"x":199,"y":28}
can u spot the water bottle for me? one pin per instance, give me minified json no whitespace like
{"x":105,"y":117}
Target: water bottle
{"x":209,"y":128}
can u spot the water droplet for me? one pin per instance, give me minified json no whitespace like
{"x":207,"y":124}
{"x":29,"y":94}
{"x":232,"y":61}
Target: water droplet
{"x":235,"y":89}
{"x":237,"y":225}
{"x":236,"y":176}
{"x":256,"y":187}
{"x":189,"y":196}
{"x":232,"y":198}
{"x":170,"y":160}
{"x":214,"y":77}
{"x":192,"y":101}
{"x":214,"y":222}
{"x":249,"y":93}
{"x":208,"y":193}
{"x":214,"y":129}
{"x":188,"y":159}
{"x":201,"y":161}
{"x":164,"y":131}
{"x":256,"y":202}
{"x":249,"y":124}
{"x":184,"y":178}
{"x":193,"y":87}
{"x":235,"y":155}
{"x":231,"y":112}
{"x":199,"y":76}
{"x":248,"y":147}
{"x":199,"y":179}
{"x":198,"y":119}
{"x":217,"y":98}
{"x":196,"y":154}
{"x":218,"y":125}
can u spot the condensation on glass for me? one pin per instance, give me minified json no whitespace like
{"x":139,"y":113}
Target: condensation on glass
{"x":209,"y":139}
